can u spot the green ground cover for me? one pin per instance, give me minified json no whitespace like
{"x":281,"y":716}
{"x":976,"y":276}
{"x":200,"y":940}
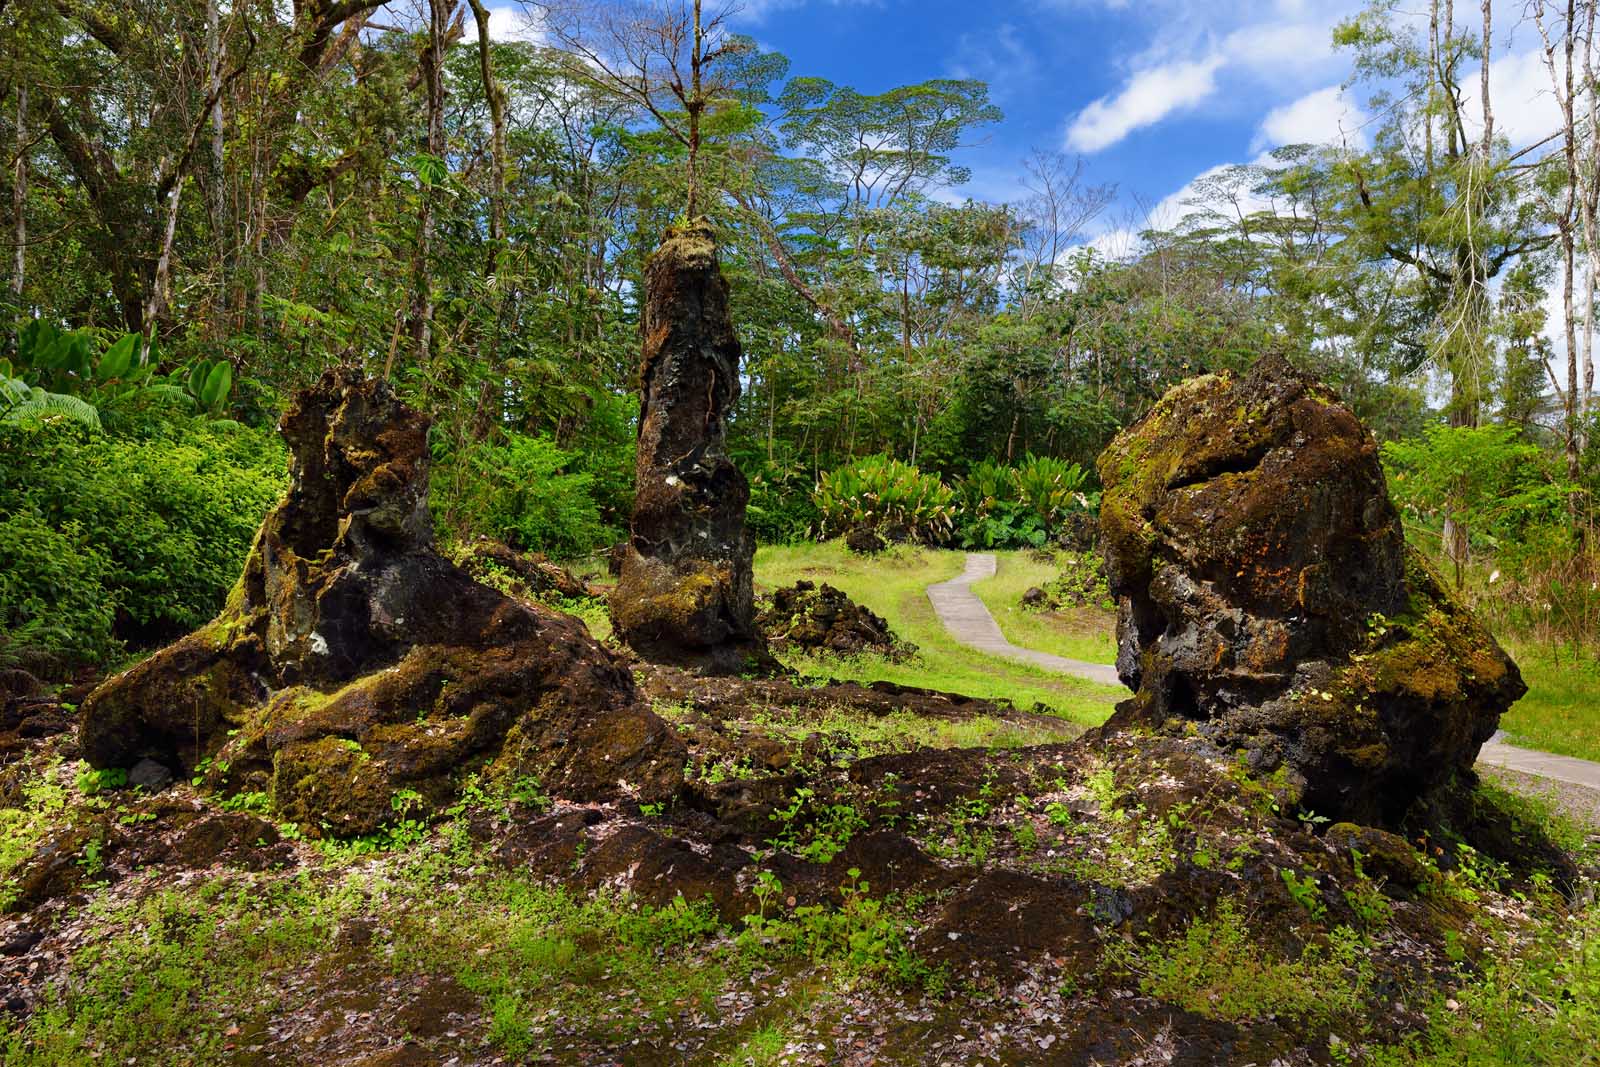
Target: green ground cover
{"x":1561,"y":712}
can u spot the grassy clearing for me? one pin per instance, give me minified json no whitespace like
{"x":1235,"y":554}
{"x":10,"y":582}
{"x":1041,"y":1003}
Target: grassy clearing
{"x":1077,"y":633}
{"x":905,"y":731}
{"x":894,"y":585}
{"x":1561,"y":712}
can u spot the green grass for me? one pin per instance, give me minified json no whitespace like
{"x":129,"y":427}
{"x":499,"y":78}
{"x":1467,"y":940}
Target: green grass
{"x":1561,"y":712}
{"x":1217,"y":968}
{"x":906,"y":731}
{"x":1535,"y":1004}
{"x":1076,"y":633}
{"x":894,"y":584}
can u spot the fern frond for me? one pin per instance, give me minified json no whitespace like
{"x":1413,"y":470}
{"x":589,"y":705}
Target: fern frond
{"x":43,"y":406}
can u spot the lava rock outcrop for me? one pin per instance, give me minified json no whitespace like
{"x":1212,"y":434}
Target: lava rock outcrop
{"x":1266,"y":594}
{"x":522,"y":574}
{"x":356,"y":675}
{"x":810,"y":618}
{"x":685,"y":594}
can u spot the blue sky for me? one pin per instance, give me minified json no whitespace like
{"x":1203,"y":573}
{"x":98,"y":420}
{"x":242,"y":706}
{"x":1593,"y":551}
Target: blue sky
{"x":1151,"y":94}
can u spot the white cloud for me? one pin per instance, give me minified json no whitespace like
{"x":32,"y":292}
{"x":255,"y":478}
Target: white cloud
{"x":1325,"y":116}
{"x":1262,"y":51}
{"x":999,"y":56}
{"x":1525,"y":107}
{"x":1115,"y":244}
{"x":1150,"y":96}
{"x":514,"y":24}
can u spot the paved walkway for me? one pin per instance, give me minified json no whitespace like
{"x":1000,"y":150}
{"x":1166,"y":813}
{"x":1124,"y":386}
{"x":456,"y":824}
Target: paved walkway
{"x":969,"y":622}
{"x":1569,"y":769}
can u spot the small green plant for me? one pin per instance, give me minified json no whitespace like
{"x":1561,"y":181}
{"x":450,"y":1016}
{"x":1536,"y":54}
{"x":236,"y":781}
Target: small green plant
{"x":93,"y":780}
{"x":1058,"y":813}
{"x":528,"y":789}
{"x":1305,"y":891}
{"x":814,"y":830}
{"x":1216,"y":968}
{"x":258,"y":803}
{"x":864,"y":937}
{"x":92,"y":859}
{"x":1366,"y":900}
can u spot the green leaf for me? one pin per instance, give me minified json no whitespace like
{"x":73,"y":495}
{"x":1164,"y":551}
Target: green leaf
{"x":119,"y":358}
{"x":219,"y":383}
{"x":42,"y":405}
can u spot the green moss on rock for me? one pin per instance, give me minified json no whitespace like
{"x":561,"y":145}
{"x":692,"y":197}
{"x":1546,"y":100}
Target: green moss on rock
{"x":1255,"y":555}
{"x":353,"y":662}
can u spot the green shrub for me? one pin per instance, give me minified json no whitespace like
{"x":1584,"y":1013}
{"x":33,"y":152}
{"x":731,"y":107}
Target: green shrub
{"x":54,"y":611}
{"x":781,"y":509}
{"x":1217,"y":968}
{"x":160,"y":519}
{"x":523,"y":491}
{"x":1018,"y":507}
{"x":1053,"y":488}
{"x":1534,"y":1003}
{"x":885,"y":494}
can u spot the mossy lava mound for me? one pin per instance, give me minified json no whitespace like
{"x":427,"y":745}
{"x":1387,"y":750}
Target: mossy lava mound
{"x":356,"y":676}
{"x":1266,"y":593}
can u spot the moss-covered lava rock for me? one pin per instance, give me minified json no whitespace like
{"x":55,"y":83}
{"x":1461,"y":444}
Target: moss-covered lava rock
{"x":1266,"y":592}
{"x":806,"y":617}
{"x":685,"y":594}
{"x":356,"y":675}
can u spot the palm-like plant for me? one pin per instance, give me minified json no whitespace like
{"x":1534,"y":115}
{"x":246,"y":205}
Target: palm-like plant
{"x":57,"y":374}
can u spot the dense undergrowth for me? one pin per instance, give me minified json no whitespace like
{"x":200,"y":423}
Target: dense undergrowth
{"x":196,"y":973}
{"x":135,"y":537}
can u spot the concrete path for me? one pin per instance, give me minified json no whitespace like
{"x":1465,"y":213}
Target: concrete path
{"x":1569,"y":769}
{"x":969,"y":622}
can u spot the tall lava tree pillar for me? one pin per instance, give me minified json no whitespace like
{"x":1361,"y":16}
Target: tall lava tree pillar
{"x":685,"y":595}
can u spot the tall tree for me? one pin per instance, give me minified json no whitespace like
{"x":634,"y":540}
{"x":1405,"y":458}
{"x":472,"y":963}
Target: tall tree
{"x":669,"y":57}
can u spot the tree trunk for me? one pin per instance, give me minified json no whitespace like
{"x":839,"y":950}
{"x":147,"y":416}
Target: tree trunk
{"x":19,"y":198}
{"x":422,"y":274}
{"x":216,"y":200}
{"x":157,"y":300}
{"x":694,"y":106}
{"x":1488,"y":112}
{"x":496,"y":97}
